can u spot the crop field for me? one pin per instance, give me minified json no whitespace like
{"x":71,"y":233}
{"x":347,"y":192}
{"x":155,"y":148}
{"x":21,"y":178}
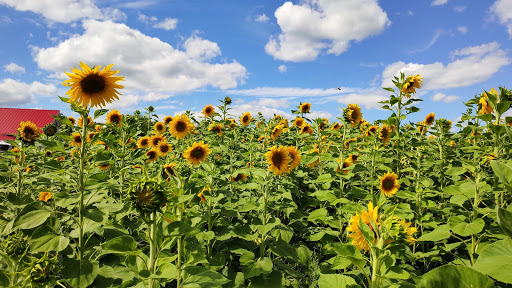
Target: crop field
{"x":214,"y":200}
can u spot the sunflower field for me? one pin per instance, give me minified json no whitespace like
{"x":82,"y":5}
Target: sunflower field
{"x":113,"y":200}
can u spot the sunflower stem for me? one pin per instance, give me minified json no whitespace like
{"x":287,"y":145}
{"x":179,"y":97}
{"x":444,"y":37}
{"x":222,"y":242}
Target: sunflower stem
{"x":81,"y":186}
{"x":264,"y":217}
{"x":121,"y":172}
{"x":19,"y":189}
{"x":152,"y":248}
{"x":180,"y":252}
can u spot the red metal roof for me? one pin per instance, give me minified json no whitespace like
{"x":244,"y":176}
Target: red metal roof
{"x":10,"y":119}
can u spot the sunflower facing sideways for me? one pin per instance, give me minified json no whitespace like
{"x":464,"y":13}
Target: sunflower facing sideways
{"x":278,"y":159}
{"x":411,"y":83}
{"x":389,"y":184}
{"x":306,"y":129}
{"x":208,"y":110}
{"x":357,"y":236}
{"x":217,"y":128}
{"x":197,"y":152}
{"x":353,"y":114}
{"x":93,"y":87}
{"x":429,"y":120}
{"x":180,"y":126}
{"x":245,"y":119}
{"x":295,"y":157}
{"x":28,"y":131}
{"x":385,"y":133}
{"x":114,"y":117}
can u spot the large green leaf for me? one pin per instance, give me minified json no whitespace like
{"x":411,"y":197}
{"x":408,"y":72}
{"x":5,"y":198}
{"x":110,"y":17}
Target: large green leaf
{"x":462,"y":228}
{"x":274,"y":279}
{"x":121,"y":244}
{"x":32,"y":219}
{"x":80,"y":273}
{"x":283,"y":249}
{"x":450,"y":276}
{"x":504,"y":172}
{"x":505,"y":221}
{"x":440,"y":233}
{"x":199,"y":277}
{"x":43,"y":240}
{"x":496,"y":260}
{"x":336,"y":281}
{"x":262,"y":266}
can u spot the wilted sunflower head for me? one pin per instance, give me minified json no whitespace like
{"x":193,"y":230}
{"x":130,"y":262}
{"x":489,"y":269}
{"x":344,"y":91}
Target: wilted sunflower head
{"x":278,"y":159}
{"x":90,"y":136}
{"x":429,"y":120}
{"x":146,"y":196}
{"x":353,"y":114}
{"x":159,"y":127}
{"x":298,"y":122}
{"x":245,"y":119}
{"x":180,"y":126}
{"x":76,"y":139}
{"x":305,"y":107}
{"x":44,"y":271}
{"x":197,"y":152}
{"x":389,"y":184}
{"x":347,"y":143}
{"x":92,"y":86}
{"x":28,"y":132}
{"x":208,"y":110}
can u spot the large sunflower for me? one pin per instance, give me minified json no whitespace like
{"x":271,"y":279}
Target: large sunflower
{"x":114,"y":117}
{"x":159,"y":127}
{"x":278,"y":158}
{"x":294,"y":156}
{"x":429,"y":120}
{"x":197,"y":153}
{"x":155,"y":139}
{"x":389,"y":184}
{"x":357,"y":235}
{"x":92,"y":86}
{"x":385,"y":133}
{"x":76,"y":139}
{"x":28,"y":131}
{"x":180,"y":126}
{"x":305,"y":107}
{"x":208,"y":110}
{"x":163,"y":148}
{"x":411,"y":83}
{"x":298,"y":122}
{"x":143,"y":142}
{"x":245,"y":119}
{"x":353,"y":114}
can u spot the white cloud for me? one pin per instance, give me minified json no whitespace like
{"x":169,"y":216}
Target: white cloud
{"x":462,"y":29}
{"x":440,"y":97}
{"x":146,"y":19}
{"x":65,"y":11}
{"x":478,"y":64}
{"x":288,"y":92}
{"x":503,"y":10}
{"x":368,"y":98}
{"x":262,"y":18}
{"x":125,"y":101}
{"x":148,"y":64}
{"x":167,"y":24}
{"x":14,"y":68}
{"x":269,"y":108}
{"x":315,"y":26}
{"x":460,"y":8}
{"x":282,"y":68}
{"x":439,"y":2}
{"x":16,"y":93}
{"x":201,"y":49}
{"x":137,"y":4}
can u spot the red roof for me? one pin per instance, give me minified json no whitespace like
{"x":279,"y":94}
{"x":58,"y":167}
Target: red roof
{"x":10,"y":119}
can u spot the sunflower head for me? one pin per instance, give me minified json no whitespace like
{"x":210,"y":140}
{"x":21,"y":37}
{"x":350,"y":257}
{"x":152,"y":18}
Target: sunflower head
{"x":239,"y":177}
{"x":163,"y":148}
{"x":353,"y":114}
{"x":152,"y":155}
{"x":155,"y":139}
{"x":159,"y":127}
{"x":422,"y":127}
{"x":197,"y":152}
{"x":146,"y":196}
{"x":201,"y":194}
{"x":278,"y":159}
{"x":92,"y":86}
{"x":371,"y":218}
{"x":372,"y":130}
{"x":389,"y":184}
{"x":429,"y":120}
{"x":81,"y":121}
{"x":305,"y":107}
{"x":115,"y":117}
{"x":347,"y":143}
{"x":76,"y":139}
{"x":245,"y":119}
{"x":295,"y":157}
{"x":298,"y":122}
{"x":208,"y":110}
{"x":45,"y":196}
{"x":411,"y":83}
{"x":72,"y":120}
{"x":28,"y":132}
{"x":277,"y":131}
{"x":385,"y":133}
{"x":50,"y":129}
{"x":169,"y":170}
{"x":227,"y":100}
{"x":306,"y":129}
{"x":217,"y":128}
{"x":336,"y":126}
{"x":167,"y":120}
{"x":180,"y":126}
{"x":144,"y":142}
{"x":104,"y":166}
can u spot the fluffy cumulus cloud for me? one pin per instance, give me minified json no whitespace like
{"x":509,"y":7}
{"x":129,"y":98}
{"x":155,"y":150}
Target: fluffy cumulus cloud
{"x":315,"y":26}
{"x":368,"y":99}
{"x":271,"y":107}
{"x":471,"y":65}
{"x":65,"y":11}
{"x":148,"y":64}
{"x":15,"y":92}
{"x":502,"y":9}
{"x":167,"y":24}
{"x":14,"y":68}
{"x":262,"y":18}
{"x":440,"y":97}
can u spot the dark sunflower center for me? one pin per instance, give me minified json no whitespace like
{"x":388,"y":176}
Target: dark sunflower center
{"x":144,"y":197}
{"x":384,"y":133}
{"x":92,"y":84}
{"x":388,"y":184}
{"x":292,"y":156}
{"x":216,"y":129}
{"x":29,"y":133}
{"x":115,"y":119}
{"x":151,"y":154}
{"x":168,"y":120}
{"x":77,"y":139}
{"x":164,"y":148}
{"x":429,"y":120}
{"x":208,"y":110}
{"x":169,"y":170}
{"x":238,"y":177}
{"x":197,"y":153}
{"x":181,"y":126}
{"x":144,"y":142}
{"x":160,"y":127}
{"x":277,"y":159}
{"x":245,"y":119}
{"x":155,"y":141}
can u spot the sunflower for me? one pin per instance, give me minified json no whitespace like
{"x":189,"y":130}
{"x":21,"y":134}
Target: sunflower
{"x":217,"y":128}
{"x":98,"y":142}
{"x":48,"y":153}
{"x":81,"y":121}
{"x":298,"y":122}
{"x":92,"y":86}
{"x":245,"y":119}
{"x":232,"y":122}
{"x":180,"y":126}
{"x":347,"y":143}
{"x":90,"y":136}
{"x":152,"y":155}
{"x":385,"y":133}
{"x":305,"y":107}
{"x":163,"y":148}
{"x":429,"y":120}
{"x":104,"y":166}
{"x":239,"y":177}
{"x":277,"y":131}
{"x":227,"y":100}
{"x":372,"y":130}
{"x":353,"y":114}
{"x":98,"y":128}
{"x":352,"y":158}
{"x":30,"y":167}
{"x":422,"y":127}
{"x":278,"y":159}
{"x":45,"y":196}
{"x":76,"y":139}
{"x":197,"y":153}
{"x":60,"y":158}
{"x":201,"y":195}
{"x":159,"y":127}
{"x":143,"y":142}
{"x":484,"y":106}
{"x":170,"y":170}
{"x":366,"y":216}
{"x":114,"y":117}
{"x":346,"y":164}
{"x":72,"y":120}
{"x":295,"y":157}
{"x":408,"y":230}
{"x":28,"y":131}
{"x":167,"y":120}
{"x":452,"y":143}
{"x":389,"y":184}
{"x":411,"y":83}
{"x":208,"y":110}
{"x":336,"y":126}
{"x":50,"y":129}
{"x":155,"y":139}
{"x":306,"y":129}
{"x":278,"y":117}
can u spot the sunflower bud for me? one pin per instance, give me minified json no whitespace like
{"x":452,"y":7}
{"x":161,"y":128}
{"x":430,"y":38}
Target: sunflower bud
{"x":50,"y":129}
{"x":15,"y":244}
{"x":44,"y":271}
{"x":146,"y":196}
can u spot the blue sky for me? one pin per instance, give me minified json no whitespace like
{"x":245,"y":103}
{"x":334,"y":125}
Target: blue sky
{"x":268,"y":56}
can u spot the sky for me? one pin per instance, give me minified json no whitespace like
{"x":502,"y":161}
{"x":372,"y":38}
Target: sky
{"x":267,"y":55}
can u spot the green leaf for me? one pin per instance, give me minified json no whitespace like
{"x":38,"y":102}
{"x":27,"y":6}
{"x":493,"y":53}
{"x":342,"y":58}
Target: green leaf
{"x":43,"y":239}
{"x":450,"y":276}
{"x":121,"y":244}
{"x":440,"y":233}
{"x":274,"y":279}
{"x":503,"y":107}
{"x":336,"y":281}
{"x":32,"y":219}
{"x":460,"y":227}
{"x":80,"y":273}
{"x":262,"y":266}
{"x":323,"y":178}
{"x":180,"y":228}
{"x":504,"y":172}
{"x":319,"y":215}
{"x":283,"y":249}
{"x":198,"y":276}
{"x":396,"y":272}
{"x":505,"y":221}
{"x":99,"y":112}
{"x":495,"y":260}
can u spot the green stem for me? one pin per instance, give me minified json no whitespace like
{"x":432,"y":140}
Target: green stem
{"x":121,"y":176}
{"x":180,"y":252}
{"x":152,"y":248}
{"x":81,"y":186}
{"x":20,"y":174}
{"x":264,"y":218}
